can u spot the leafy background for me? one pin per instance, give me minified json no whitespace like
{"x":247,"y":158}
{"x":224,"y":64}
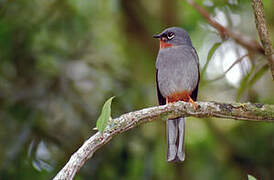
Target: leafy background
{"x":60,"y":60}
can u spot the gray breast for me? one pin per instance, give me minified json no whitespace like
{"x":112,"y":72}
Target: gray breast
{"x":178,"y":69}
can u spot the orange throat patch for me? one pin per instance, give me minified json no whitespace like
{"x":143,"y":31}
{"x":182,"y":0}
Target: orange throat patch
{"x":163,"y":44}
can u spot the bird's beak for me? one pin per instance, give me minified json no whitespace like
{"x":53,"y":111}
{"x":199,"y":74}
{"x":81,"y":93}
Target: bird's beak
{"x":156,"y":36}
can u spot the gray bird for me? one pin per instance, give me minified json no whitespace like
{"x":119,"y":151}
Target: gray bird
{"x":177,"y":79}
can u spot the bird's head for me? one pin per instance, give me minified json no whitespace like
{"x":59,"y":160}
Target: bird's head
{"x":173,"y":36}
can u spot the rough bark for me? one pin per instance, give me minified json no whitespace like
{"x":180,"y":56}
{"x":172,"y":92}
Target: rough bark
{"x":258,"y":9}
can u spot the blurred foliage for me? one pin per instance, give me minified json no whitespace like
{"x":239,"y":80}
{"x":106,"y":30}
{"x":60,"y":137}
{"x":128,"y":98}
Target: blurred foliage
{"x":60,"y":60}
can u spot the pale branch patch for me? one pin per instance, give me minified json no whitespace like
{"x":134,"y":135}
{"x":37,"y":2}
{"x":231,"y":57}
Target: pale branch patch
{"x":237,"y":111}
{"x":233,"y":64}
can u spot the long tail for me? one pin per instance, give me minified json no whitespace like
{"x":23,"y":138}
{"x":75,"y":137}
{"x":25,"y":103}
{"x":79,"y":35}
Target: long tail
{"x":175,"y":129}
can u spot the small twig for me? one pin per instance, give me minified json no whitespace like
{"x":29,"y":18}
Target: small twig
{"x":239,"y":111}
{"x":224,"y":32}
{"x":261,"y":26}
{"x":223,"y":75}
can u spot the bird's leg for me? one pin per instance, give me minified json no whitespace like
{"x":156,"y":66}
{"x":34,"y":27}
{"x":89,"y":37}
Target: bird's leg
{"x":167,"y":100}
{"x":192,"y":102}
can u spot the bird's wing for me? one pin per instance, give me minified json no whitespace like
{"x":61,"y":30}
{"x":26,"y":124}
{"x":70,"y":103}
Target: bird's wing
{"x":161,"y":99}
{"x":194,"y":93}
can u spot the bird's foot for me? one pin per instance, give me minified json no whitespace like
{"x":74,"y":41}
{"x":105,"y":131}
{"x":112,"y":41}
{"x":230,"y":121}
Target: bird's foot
{"x":195,"y":105}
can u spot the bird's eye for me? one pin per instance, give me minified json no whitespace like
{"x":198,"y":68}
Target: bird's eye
{"x":170,"y":35}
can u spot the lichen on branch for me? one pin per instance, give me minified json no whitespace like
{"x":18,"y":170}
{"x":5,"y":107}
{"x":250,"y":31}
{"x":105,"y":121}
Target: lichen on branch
{"x":237,"y":111}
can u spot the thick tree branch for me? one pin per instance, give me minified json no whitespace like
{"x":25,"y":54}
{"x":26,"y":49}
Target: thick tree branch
{"x":260,"y":21}
{"x":238,"y":111}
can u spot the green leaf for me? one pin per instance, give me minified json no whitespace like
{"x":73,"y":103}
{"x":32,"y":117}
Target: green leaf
{"x":209,"y":56}
{"x":244,"y":84}
{"x":251,"y":177}
{"x":258,"y":75}
{"x":103,"y":119}
{"x":248,"y":81}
